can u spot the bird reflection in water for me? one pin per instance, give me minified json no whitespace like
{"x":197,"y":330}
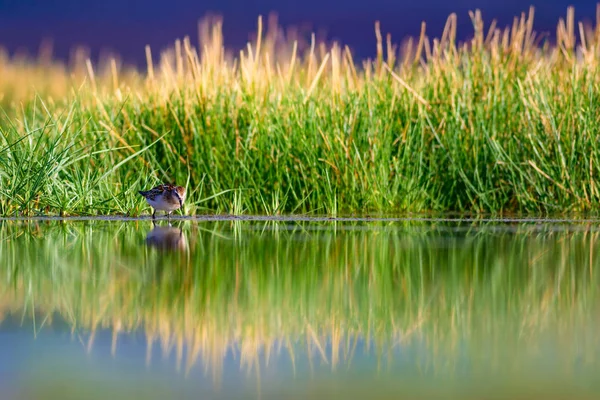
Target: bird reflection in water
{"x":166,"y":238}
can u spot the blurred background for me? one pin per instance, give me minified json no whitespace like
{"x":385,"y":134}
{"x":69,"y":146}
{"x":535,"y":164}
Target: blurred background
{"x":125,"y":27}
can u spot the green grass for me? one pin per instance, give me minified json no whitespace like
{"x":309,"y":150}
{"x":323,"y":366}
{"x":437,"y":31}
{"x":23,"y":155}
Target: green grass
{"x":500,"y":124}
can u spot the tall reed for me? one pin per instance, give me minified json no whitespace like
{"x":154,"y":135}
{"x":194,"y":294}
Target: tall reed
{"x":504,"y":122}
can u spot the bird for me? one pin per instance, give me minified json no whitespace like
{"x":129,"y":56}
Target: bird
{"x":165,"y":197}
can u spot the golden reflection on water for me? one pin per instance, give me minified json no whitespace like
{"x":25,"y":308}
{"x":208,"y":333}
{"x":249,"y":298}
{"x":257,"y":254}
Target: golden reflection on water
{"x":255,"y":290}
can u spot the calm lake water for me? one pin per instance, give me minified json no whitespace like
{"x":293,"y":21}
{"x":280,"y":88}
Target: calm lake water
{"x":299,"y":309}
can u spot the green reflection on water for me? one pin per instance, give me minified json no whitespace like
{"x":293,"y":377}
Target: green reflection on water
{"x":499,"y":296}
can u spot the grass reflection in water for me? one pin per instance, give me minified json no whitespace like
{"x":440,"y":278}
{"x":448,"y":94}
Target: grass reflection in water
{"x":478,"y":299}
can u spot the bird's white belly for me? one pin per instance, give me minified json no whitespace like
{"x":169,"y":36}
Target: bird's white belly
{"x":160,"y":204}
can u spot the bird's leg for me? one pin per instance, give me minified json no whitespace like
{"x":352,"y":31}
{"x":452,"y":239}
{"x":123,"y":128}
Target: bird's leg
{"x":154,"y":214}
{"x":169,"y":215}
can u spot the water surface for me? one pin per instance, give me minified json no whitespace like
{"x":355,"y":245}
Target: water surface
{"x":299,"y":309}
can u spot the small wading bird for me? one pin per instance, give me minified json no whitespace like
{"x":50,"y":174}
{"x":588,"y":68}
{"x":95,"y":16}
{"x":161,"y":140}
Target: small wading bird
{"x":166,"y":198}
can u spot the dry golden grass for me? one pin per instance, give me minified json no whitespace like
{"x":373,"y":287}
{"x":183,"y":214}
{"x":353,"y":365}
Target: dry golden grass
{"x":273,"y":63}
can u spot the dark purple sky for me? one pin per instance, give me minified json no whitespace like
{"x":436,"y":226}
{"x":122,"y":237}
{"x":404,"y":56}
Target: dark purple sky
{"x":126,"y":26}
